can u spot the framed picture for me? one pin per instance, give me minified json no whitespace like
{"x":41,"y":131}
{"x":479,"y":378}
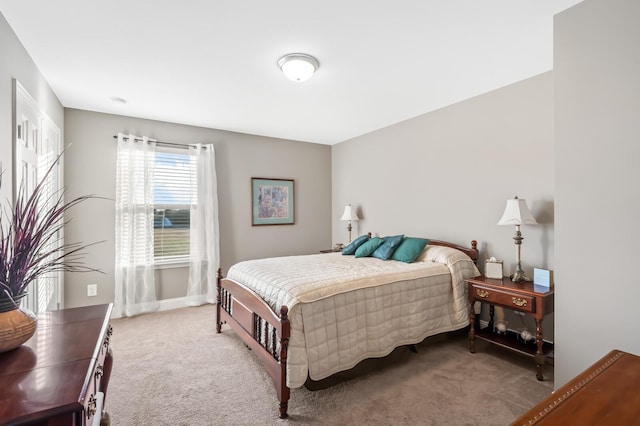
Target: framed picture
{"x":272,"y":201}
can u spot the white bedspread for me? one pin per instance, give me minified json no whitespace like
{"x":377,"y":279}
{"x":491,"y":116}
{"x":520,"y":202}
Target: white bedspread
{"x":345,"y":309}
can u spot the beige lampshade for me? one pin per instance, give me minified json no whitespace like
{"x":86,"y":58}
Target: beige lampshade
{"x":517,"y":213}
{"x":349,"y":213}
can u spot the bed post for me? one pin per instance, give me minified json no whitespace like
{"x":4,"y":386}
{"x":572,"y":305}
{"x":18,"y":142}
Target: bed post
{"x":473,"y":253}
{"x":219,"y":297}
{"x":283,"y":390}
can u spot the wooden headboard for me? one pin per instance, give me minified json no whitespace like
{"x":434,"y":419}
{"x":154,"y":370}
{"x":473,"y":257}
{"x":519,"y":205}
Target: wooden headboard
{"x":471,"y":252}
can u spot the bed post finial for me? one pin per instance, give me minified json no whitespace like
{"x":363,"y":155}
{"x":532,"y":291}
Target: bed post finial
{"x":284,"y":312}
{"x":474,"y":251}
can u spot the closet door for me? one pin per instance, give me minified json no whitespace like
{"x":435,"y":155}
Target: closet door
{"x":37,"y":144}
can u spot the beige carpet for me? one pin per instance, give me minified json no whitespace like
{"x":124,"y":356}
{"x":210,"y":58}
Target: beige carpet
{"x":171,"y":368}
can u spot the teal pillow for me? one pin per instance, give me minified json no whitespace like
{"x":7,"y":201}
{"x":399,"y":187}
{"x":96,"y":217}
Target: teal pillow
{"x":353,"y":245}
{"x":387,"y":248}
{"x":409,"y":249}
{"x":369,"y":247}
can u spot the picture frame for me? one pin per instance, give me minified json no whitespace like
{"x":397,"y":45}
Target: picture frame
{"x":272,"y":201}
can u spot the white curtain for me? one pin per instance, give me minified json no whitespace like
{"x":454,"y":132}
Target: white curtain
{"x":135,"y":291}
{"x":204,"y":237}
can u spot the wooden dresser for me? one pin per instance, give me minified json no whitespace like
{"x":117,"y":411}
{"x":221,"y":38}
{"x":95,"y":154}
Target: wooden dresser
{"x":607,"y":393}
{"x":60,"y":376}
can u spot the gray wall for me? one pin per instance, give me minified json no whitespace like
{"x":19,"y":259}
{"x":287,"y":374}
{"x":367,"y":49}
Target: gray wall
{"x":90,"y":169}
{"x":597,"y":150}
{"x":16,"y":63}
{"x":448,"y":174}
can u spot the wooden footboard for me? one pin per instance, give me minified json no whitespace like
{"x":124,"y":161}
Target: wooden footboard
{"x":266,"y":333}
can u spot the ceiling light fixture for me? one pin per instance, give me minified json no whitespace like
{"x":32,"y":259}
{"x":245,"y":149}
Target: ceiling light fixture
{"x":298,"y":66}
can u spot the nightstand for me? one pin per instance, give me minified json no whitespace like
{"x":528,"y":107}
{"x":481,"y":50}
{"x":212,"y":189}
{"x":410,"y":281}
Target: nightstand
{"x":523,"y":297}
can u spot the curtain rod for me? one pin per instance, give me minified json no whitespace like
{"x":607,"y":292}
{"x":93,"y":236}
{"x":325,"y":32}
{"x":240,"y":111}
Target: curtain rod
{"x":178,"y":145}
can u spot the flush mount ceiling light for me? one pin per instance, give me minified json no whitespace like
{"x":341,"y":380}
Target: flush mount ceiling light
{"x":298,"y":66}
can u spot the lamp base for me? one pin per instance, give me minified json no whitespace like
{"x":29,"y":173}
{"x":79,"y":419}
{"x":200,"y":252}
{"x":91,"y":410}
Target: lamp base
{"x":518,"y":276}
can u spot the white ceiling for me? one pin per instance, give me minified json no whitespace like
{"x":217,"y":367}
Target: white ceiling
{"x":213,"y":63}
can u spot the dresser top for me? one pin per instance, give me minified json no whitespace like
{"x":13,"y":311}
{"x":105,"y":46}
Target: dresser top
{"x":606,"y":393}
{"x":50,"y":373}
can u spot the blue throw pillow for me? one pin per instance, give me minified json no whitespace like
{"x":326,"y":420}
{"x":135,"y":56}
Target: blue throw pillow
{"x":387,"y":248}
{"x":409,"y":249}
{"x":369,"y":247}
{"x":353,"y":245}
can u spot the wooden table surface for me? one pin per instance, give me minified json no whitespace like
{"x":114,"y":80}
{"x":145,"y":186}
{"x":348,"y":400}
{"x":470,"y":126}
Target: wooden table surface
{"x":48,"y":375}
{"x":607,"y":393}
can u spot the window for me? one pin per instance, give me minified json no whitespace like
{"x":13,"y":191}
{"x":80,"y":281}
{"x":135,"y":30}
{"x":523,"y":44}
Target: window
{"x":174,"y":191}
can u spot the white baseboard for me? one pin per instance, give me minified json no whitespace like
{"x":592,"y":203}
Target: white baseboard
{"x":168,"y":304}
{"x":165,"y":305}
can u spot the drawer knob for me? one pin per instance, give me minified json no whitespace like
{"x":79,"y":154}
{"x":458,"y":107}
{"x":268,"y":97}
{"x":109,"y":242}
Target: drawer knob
{"x":99,"y":372}
{"x":519,"y":302}
{"x":92,"y":406}
{"x":107,"y":337}
{"x":482,"y":293}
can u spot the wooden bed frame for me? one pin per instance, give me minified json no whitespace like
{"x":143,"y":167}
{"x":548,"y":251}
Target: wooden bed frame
{"x":266,"y":332}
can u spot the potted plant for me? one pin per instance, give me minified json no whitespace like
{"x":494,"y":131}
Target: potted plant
{"x":30,"y":248}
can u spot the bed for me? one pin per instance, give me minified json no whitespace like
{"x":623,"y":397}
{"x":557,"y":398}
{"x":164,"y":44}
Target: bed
{"x":310,"y":316}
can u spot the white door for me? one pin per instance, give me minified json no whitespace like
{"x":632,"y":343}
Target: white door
{"x":37,"y":144}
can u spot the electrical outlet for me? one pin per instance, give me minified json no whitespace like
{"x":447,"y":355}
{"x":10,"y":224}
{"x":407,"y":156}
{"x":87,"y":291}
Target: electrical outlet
{"x":92,"y":289}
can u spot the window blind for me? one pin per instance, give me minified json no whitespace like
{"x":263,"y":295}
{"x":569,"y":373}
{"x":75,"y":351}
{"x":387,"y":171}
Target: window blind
{"x":174,"y":193}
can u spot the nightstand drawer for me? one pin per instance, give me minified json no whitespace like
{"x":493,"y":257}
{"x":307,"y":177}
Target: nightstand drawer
{"x":519,"y":302}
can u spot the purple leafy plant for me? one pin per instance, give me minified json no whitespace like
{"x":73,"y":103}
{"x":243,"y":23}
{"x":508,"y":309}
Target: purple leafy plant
{"x":30,"y":238}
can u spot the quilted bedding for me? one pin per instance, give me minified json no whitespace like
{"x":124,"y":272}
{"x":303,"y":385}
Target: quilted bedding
{"x":345,"y":309}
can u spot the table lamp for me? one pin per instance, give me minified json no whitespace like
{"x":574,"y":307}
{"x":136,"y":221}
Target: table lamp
{"x":517,"y":213}
{"x":349,"y":214}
